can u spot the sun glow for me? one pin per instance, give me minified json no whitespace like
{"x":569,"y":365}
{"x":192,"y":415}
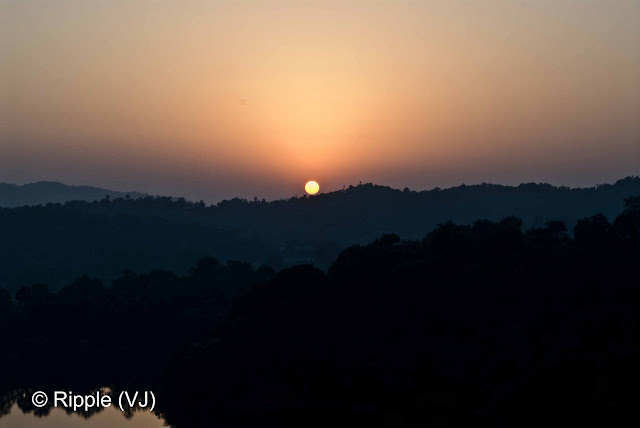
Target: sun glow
{"x":312,"y":187}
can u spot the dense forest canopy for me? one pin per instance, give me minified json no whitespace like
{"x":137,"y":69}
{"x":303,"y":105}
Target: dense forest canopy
{"x":138,"y":321}
{"x":485,"y":323}
{"x":474,"y":325}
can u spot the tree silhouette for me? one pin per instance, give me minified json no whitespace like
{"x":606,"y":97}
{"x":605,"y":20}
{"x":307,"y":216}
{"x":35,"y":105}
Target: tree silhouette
{"x":627,"y":224}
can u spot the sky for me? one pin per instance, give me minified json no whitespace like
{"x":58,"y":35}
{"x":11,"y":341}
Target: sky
{"x":216,"y":99}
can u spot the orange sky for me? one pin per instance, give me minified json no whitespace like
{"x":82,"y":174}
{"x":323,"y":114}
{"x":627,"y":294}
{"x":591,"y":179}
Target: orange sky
{"x":213,"y":99}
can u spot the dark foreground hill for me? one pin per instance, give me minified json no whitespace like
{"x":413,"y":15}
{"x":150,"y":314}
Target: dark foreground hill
{"x":471,"y":326}
{"x":479,"y":325}
{"x":46,"y":192}
{"x":56,"y":243}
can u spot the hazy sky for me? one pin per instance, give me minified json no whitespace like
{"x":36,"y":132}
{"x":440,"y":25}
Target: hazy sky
{"x":213,"y":99}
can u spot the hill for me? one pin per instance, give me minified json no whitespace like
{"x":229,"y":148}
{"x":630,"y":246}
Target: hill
{"x":473,"y":326}
{"x":55,"y":243}
{"x":46,"y":192}
{"x":477,"y":325}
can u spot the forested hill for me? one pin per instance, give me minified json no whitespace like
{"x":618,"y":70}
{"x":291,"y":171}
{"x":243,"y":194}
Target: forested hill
{"x":45,"y":192}
{"x":481,"y":325}
{"x":56,"y":243}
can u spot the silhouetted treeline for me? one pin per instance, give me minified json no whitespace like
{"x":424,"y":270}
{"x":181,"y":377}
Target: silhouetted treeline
{"x":105,"y":335}
{"x":478,"y":325}
{"x":481,"y":324}
{"x":57,"y":243}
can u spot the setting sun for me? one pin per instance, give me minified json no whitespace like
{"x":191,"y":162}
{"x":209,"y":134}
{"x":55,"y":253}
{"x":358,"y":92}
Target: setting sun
{"x":312,"y":187}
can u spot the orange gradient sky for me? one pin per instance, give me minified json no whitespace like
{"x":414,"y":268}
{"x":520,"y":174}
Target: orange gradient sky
{"x":215,"y":99}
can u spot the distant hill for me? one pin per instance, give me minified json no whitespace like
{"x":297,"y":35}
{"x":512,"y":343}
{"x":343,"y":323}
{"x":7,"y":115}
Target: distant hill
{"x":45,"y":192}
{"x":58,"y":242}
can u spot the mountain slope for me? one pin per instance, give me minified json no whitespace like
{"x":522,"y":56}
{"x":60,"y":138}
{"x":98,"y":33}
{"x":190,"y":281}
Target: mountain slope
{"x":45,"y":192}
{"x":56,"y":243}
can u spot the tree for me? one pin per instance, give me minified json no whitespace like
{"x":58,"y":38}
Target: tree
{"x":627,"y":224}
{"x":594,"y":231}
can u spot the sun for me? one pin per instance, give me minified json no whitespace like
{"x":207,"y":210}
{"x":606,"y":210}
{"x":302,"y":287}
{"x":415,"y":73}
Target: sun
{"x":312,"y":187}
